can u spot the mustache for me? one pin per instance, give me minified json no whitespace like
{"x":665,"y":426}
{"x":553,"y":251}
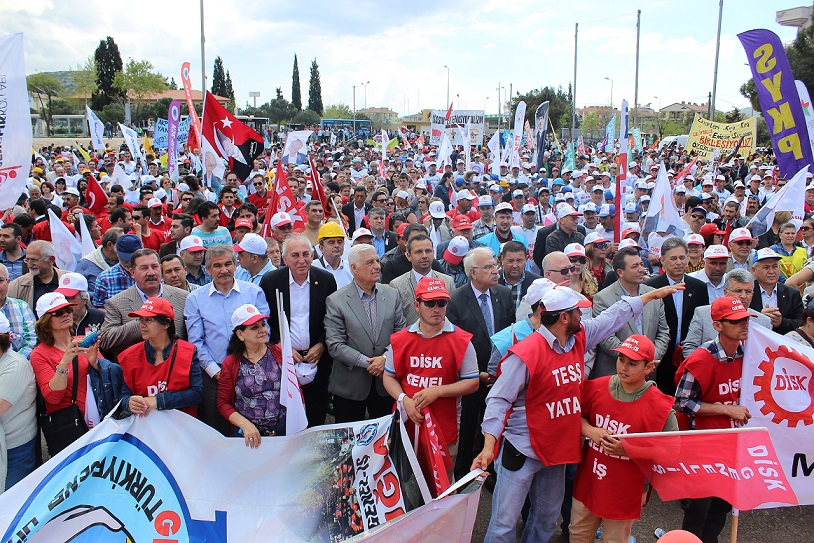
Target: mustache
{"x":151,"y":278}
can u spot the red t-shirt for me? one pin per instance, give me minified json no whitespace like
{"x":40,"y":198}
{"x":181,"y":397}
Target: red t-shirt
{"x":44,"y":358}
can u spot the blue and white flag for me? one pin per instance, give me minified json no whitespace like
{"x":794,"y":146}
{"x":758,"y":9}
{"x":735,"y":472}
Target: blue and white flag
{"x":131,"y":139}
{"x":662,"y":214}
{"x":610,"y":135}
{"x":792,"y":198}
{"x":96,"y":129}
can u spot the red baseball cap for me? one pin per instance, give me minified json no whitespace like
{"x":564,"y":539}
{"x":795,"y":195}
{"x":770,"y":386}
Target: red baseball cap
{"x":400,"y":230}
{"x":431,"y":288}
{"x":461,"y":222}
{"x":710,"y":229}
{"x":244,"y":223}
{"x":155,"y":307}
{"x":637,"y":347}
{"x":729,"y":308}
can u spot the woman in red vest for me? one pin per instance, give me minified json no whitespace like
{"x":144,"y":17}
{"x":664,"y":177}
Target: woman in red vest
{"x":251,"y":378}
{"x":161,"y":372}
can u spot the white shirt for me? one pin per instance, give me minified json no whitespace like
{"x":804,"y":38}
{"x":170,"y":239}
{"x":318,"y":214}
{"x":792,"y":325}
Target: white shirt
{"x":300,"y":301}
{"x":713,"y":291}
{"x":342,"y":274}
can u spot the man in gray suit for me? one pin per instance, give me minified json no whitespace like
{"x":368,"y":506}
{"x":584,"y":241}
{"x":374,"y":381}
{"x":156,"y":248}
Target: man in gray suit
{"x":652,"y":322}
{"x":738,"y":283}
{"x":419,"y":253}
{"x":359,"y":320}
{"x":118,"y":330}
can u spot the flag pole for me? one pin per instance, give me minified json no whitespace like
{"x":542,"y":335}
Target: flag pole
{"x":733,"y":532}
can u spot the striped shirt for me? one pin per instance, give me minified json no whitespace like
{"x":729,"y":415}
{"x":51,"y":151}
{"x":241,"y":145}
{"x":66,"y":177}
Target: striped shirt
{"x":21,"y":318}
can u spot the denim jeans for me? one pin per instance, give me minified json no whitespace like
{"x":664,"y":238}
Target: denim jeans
{"x":21,"y":462}
{"x":545,"y":487}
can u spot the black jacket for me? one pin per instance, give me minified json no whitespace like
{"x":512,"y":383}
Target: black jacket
{"x":790,"y":304}
{"x":347,"y":210}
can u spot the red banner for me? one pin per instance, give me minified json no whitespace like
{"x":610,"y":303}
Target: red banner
{"x":196,"y":123}
{"x":95,"y":196}
{"x":433,"y":456}
{"x":282,"y":199}
{"x":317,"y":190}
{"x":738,"y":465}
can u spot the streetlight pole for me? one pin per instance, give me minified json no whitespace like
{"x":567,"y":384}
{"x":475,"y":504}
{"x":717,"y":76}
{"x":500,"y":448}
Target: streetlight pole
{"x":447,"y":67}
{"x":354,"y":112}
{"x":658,"y":116}
{"x":203,"y":55}
{"x":611,"y":96}
{"x":717,"y":52}
{"x":365,"y":86}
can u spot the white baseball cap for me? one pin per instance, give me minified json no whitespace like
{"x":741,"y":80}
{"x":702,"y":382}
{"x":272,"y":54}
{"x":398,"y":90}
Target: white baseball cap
{"x":628,"y":242}
{"x":485,"y":201}
{"x":154,"y":202}
{"x":739,"y":234}
{"x":456,"y":250}
{"x":252,"y":243}
{"x":402,"y":194}
{"x":246,"y":315}
{"x":763,"y":254}
{"x":160,"y":193}
{"x":436,"y":211}
{"x":71,"y":190}
{"x":281,"y":219}
{"x":50,"y":302}
{"x":694,"y":239}
{"x":192,"y":243}
{"x":528,"y":208}
{"x":537,"y":288}
{"x":466,"y":195}
{"x":567,"y":211}
{"x":71,"y":283}
{"x":718,"y":251}
{"x":595,"y":237}
{"x":562,"y":298}
{"x":361,"y":232}
{"x":574,"y":249}
{"x":590,"y":207}
{"x":517,"y":193}
{"x":504,"y":206}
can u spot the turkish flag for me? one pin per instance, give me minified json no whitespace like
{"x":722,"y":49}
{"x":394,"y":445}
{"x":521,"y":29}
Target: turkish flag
{"x":432,"y":455}
{"x":282,"y":199}
{"x":95,"y":196}
{"x":229,"y":138}
{"x":739,"y":465}
{"x":449,"y":112}
{"x":317,"y":190}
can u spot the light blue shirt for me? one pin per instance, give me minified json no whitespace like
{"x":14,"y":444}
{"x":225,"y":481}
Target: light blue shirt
{"x":243,"y":274}
{"x":678,"y":301}
{"x":491,"y":241}
{"x":769,"y":300}
{"x":379,"y":244}
{"x":208,"y":315}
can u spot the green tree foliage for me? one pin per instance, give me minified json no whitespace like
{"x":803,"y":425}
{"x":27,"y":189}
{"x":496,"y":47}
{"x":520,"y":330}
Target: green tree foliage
{"x":296,"y":93}
{"x":307,"y":117}
{"x":315,"y":89}
{"x":801,"y":59}
{"x":230,"y":90}
{"x":219,"y":78}
{"x":112,"y":113}
{"x":136,"y":82}
{"x":84,"y":76}
{"x":733,"y":116}
{"x":108,"y":64}
{"x":172,"y":85}
{"x":337,"y":111}
{"x":559,"y":105}
{"x":45,"y":88}
{"x":590,"y":124}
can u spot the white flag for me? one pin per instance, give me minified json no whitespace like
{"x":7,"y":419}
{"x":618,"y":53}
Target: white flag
{"x":15,"y":132}
{"x":67,"y":248}
{"x":662,"y":215}
{"x":792,"y":198}
{"x":494,"y":148}
{"x":290,"y":392}
{"x":120,"y":178}
{"x":444,"y":151}
{"x":97,"y":130}
{"x":465,"y":136}
{"x":808,"y":111}
{"x":84,"y":237}
{"x":131,"y":139}
{"x":519,"y":116}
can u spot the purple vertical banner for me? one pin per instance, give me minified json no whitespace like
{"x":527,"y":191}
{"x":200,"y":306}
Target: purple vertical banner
{"x":174,"y":117}
{"x":779,"y":100}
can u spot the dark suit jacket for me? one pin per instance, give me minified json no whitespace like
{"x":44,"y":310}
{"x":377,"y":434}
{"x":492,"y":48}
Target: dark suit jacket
{"x":790,"y":304}
{"x":464,"y":311}
{"x":399,"y":265}
{"x":390,"y":240}
{"x":347,"y":210}
{"x":539,"y":243}
{"x":528,"y":279}
{"x":695,"y":295}
{"x":323,"y":285}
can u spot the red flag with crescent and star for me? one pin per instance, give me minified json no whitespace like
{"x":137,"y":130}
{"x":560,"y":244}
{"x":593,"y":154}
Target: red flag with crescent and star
{"x":228,"y":138}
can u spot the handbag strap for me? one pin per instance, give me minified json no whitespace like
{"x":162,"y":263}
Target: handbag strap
{"x":172,"y":362}
{"x":75,"y":365}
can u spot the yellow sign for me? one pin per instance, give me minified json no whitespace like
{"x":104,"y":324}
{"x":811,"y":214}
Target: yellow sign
{"x":706,"y":136}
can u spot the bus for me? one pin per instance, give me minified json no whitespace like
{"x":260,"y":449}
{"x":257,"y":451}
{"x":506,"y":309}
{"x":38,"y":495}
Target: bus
{"x":362,"y":125}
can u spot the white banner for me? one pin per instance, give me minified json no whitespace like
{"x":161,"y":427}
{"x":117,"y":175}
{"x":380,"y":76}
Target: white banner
{"x":67,"y":249}
{"x":776,"y":388}
{"x":459,"y":117}
{"x":15,"y":121}
{"x":808,"y":111}
{"x":791,"y":197}
{"x":97,"y":130}
{"x":519,"y":115}
{"x":170,"y":477}
{"x":131,"y":139}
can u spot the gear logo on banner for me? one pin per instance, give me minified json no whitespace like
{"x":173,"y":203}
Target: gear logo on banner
{"x":785,"y":387}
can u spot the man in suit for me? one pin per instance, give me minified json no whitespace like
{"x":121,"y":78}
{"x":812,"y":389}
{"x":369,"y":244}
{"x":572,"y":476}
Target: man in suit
{"x":738,"y":283}
{"x":513,"y":274}
{"x":356,"y":210}
{"x":482,"y":308}
{"x":383,"y":240}
{"x":42,"y":276}
{"x":304,"y":289}
{"x":419,"y":253}
{"x":398,"y":264}
{"x":359,"y":320}
{"x":678,"y":308}
{"x":651,"y":323}
{"x":782,"y":304}
{"x":118,"y":330}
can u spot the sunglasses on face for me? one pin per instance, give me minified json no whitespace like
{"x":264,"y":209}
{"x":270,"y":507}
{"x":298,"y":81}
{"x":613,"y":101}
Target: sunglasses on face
{"x":698,"y":217}
{"x":601,"y":246}
{"x":62,"y":312}
{"x":434,"y":303}
{"x":806,"y":228}
{"x":186,"y":199}
{"x":743,"y":242}
{"x":566,"y":271}
{"x":578,"y":260}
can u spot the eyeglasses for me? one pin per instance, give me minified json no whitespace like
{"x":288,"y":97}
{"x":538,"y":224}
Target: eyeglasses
{"x":146,"y":320}
{"x":742,"y":242}
{"x":737,"y":321}
{"x":488,"y":267}
{"x":747,"y":291}
{"x":434,"y":303}
{"x":698,"y":217}
{"x":601,"y":246}
{"x":186,"y":199}
{"x":578,"y":259}
{"x":62,"y":312}
{"x":4,"y":280}
{"x":380,"y":200}
{"x":566,"y":271}
{"x":390,"y":203}
{"x":258,"y":184}
{"x":232,"y":179}
{"x":137,"y":217}
{"x":806,"y":228}
{"x":30,"y":260}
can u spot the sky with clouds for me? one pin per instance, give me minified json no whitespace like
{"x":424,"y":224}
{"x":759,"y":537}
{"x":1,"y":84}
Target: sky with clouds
{"x":402,"y":48}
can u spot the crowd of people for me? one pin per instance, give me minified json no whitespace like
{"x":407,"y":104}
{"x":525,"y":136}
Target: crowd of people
{"x":481,"y":292}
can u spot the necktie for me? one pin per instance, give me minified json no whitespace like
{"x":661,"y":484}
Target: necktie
{"x":487,"y":314}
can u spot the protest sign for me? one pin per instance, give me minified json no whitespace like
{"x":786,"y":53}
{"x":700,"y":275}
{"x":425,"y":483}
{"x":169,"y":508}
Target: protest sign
{"x":439,"y":125}
{"x":706,"y":136}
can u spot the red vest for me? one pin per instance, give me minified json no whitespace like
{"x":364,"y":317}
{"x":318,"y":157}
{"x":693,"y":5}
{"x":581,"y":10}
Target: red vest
{"x":426,"y":362}
{"x":719,"y":382}
{"x":144,"y":379}
{"x":611,"y":486}
{"x":553,"y":412}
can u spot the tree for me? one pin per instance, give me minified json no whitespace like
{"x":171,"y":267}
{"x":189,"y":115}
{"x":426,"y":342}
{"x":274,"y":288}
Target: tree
{"x":590,"y":124}
{"x":219,"y":78}
{"x":307,"y":117}
{"x":108,"y":64}
{"x":230,"y":91}
{"x":280,"y":109}
{"x":172,"y":85}
{"x":337,"y":111}
{"x":801,"y":59}
{"x":84,"y":76}
{"x":112,"y":113}
{"x":733,"y":116}
{"x":315,"y":89}
{"x":559,"y":105}
{"x":137,"y":81}
{"x":296,"y":94}
{"x":45,"y":88}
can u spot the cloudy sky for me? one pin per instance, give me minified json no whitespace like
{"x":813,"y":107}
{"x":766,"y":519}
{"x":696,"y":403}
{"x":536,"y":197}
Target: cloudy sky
{"x":402,"y":48}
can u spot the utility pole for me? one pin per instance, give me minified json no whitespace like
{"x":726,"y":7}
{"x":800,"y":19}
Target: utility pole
{"x":636,"y":83}
{"x":354,"y":112}
{"x":447,"y":67}
{"x":717,"y":52}
{"x":574,"y":90}
{"x":203,"y":55}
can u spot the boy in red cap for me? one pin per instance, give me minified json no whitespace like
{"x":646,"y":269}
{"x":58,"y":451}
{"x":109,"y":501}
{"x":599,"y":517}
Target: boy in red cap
{"x":608,"y":486}
{"x":707,"y":395}
{"x":432,"y":363}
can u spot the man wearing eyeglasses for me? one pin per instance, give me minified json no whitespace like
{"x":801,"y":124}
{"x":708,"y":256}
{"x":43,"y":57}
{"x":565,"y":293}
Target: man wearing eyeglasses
{"x":432,"y":364}
{"x":260,"y":195}
{"x":696,"y":218}
{"x":740,"y":250}
{"x":42,"y":276}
